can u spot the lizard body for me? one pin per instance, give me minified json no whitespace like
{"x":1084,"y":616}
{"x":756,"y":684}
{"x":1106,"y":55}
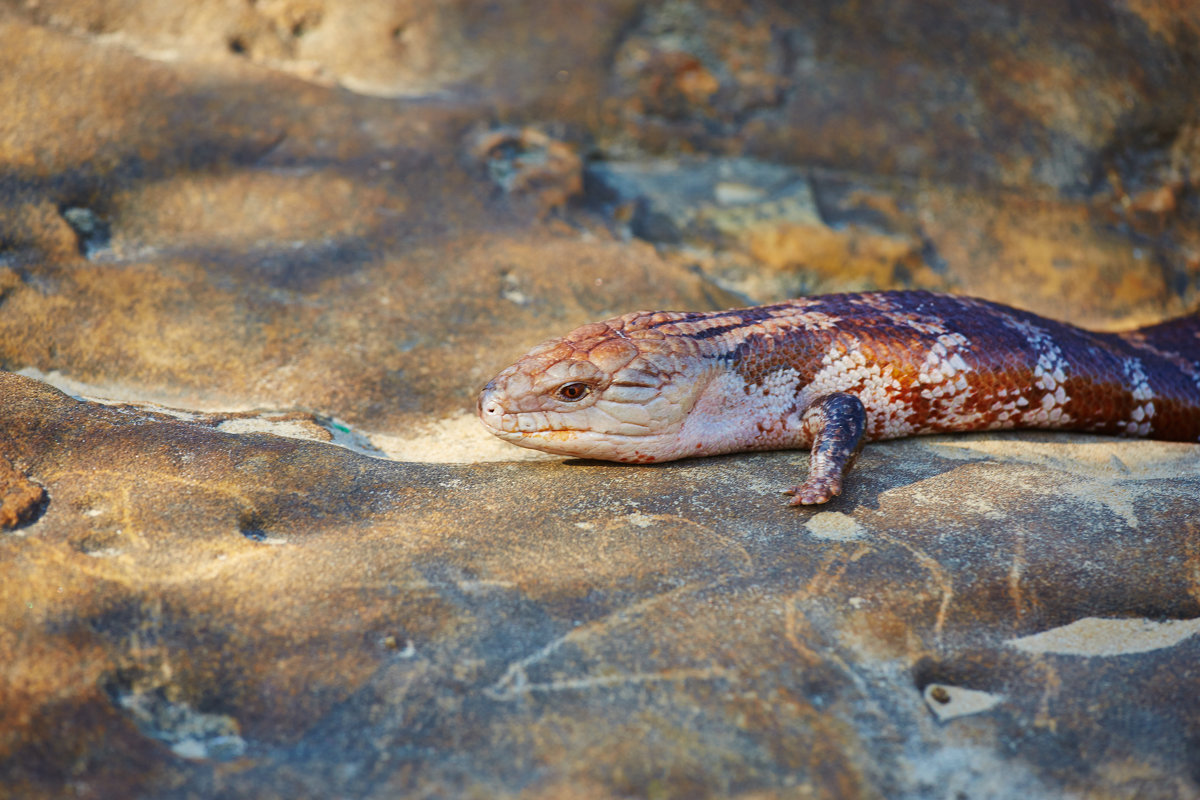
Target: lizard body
{"x":831,"y":372}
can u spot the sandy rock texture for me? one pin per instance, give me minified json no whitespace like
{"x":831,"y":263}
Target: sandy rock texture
{"x":257,"y":257}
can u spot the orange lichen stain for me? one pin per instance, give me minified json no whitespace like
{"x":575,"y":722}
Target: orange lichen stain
{"x":695,"y":82}
{"x":1159,"y":200}
{"x":1064,"y":255}
{"x":1161,"y":18}
{"x":852,"y":256}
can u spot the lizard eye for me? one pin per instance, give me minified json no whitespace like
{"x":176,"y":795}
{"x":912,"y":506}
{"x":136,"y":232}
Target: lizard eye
{"x":570,"y":392}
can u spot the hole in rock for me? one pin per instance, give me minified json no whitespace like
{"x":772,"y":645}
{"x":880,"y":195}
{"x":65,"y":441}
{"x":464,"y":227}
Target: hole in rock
{"x":25,"y":515}
{"x":253,"y":528}
{"x":189,"y":732}
{"x":22,"y":501}
{"x":93,"y":232}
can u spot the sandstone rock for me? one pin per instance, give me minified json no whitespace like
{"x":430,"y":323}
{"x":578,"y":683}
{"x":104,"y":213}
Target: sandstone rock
{"x":1031,"y":95}
{"x":193,"y":598}
{"x":416,"y":48}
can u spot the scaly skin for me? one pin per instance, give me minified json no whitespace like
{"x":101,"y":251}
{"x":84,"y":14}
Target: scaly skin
{"x":831,"y":372}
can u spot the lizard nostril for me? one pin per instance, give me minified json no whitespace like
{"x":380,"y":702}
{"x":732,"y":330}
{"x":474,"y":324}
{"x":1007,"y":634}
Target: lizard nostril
{"x":487,"y":405}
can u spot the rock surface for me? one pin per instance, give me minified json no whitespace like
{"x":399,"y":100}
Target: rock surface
{"x":204,"y":613}
{"x":271,"y":250}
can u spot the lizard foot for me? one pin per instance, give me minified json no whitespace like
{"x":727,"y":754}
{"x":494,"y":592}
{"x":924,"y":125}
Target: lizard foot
{"x":815,"y":491}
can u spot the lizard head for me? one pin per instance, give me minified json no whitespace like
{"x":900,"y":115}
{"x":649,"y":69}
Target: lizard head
{"x":617,"y":390}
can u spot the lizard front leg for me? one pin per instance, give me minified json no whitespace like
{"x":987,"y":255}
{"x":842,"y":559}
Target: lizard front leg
{"x":836,"y":422}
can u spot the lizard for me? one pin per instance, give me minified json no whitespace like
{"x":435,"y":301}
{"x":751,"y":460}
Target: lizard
{"x":831,"y":372}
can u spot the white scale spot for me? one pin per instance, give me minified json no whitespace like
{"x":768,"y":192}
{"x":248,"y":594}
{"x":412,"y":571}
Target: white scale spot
{"x":1049,"y":374}
{"x":1139,"y":421}
{"x":944,"y":383}
{"x":816,"y":321}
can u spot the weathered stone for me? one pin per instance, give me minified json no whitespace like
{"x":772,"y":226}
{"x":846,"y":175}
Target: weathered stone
{"x":529,"y":162}
{"x":1017,"y":94}
{"x":707,"y":200}
{"x":757,"y":227}
{"x":636,"y":630}
{"x":416,"y":48}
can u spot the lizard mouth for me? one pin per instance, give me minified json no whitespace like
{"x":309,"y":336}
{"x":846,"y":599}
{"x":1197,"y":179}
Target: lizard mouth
{"x":576,"y":443}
